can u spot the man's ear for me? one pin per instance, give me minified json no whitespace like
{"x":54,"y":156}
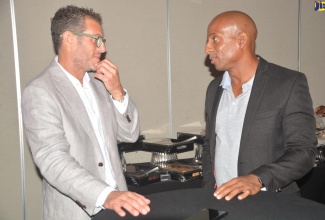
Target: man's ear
{"x":242,"y":39}
{"x":68,"y":38}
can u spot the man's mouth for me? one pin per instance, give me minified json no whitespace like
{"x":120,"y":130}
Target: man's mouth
{"x":212,"y":59}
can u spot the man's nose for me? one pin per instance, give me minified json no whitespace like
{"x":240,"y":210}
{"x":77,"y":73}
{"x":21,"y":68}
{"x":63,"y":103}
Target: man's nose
{"x":102,"y":48}
{"x":208,"y":48}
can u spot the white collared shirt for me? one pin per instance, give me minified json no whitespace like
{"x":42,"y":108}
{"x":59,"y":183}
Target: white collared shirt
{"x":86,"y":94}
{"x":229,"y":125}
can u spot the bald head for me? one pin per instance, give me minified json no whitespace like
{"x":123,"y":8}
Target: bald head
{"x":238,"y":21}
{"x":234,"y":22}
{"x":231,"y":42}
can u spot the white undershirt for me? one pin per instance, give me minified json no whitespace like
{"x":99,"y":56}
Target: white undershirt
{"x":229,"y":125}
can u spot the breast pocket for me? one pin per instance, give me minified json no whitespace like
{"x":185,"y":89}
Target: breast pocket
{"x":267,"y":122}
{"x":267,"y":114}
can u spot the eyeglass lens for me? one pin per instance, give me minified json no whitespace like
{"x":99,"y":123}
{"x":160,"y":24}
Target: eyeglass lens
{"x":100,"y":41}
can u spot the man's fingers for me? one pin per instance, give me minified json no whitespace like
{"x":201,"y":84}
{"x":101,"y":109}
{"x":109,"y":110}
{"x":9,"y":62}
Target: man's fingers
{"x":139,"y":202}
{"x":130,"y":208}
{"x":128,"y":201}
{"x":106,"y":70}
{"x":242,"y":186}
{"x":140,"y":198}
{"x":224,"y":190}
{"x":232,"y":193}
{"x":117,"y":208}
{"x":244,"y":195}
{"x":109,"y":63}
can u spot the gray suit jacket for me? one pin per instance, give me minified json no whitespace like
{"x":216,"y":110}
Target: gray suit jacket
{"x":278,"y":142}
{"x":64,"y":145}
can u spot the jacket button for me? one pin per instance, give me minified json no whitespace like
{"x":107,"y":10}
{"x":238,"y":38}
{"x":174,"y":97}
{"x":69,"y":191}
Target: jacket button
{"x":100,"y":164}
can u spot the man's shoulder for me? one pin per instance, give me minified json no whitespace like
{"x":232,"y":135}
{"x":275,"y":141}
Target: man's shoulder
{"x":44,"y":76}
{"x":278,"y":74}
{"x":278,"y":69}
{"x":40,"y":80}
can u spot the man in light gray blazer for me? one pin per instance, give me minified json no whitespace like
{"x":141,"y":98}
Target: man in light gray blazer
{"x":74,"y":112}
{"x":260,"y":127}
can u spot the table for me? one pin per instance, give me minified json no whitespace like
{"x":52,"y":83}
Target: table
{"x":179,"y":204}
{"x":312,"y":185}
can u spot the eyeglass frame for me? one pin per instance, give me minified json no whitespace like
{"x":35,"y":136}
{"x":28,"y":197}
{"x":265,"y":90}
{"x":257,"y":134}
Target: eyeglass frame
{"x":99,"y":39}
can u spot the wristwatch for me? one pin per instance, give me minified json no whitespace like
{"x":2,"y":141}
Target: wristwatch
{"x":120,"y":100}
{"x":259,"y":180}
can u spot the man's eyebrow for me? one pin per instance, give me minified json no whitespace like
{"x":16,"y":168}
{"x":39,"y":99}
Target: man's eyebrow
{"x":213,"y":34}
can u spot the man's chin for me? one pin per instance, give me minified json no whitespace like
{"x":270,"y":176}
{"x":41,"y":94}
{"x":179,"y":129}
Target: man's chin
{"x":219,"y":67}
{"x":92,"y":69}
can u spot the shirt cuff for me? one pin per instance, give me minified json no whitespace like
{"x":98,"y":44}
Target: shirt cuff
{"x":102,"y":197}
{"x":121,"y":106}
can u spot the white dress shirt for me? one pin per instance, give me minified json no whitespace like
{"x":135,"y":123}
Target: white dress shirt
{"x":85,"y":92}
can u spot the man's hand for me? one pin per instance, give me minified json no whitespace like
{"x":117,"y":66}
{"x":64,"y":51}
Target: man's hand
{"x":243,"y":185}
{"x":107,"y":72}
{"x":130,"y":201}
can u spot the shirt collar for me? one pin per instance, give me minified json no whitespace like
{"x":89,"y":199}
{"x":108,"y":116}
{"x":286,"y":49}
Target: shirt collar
{"x":226,"y":81}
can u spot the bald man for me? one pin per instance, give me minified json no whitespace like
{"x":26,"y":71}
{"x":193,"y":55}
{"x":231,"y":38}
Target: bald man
{"x":260,"y":126}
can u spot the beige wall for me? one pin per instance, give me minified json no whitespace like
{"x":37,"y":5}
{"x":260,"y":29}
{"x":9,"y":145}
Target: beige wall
{"x":10,"y":181}
{"x":137,"y":37}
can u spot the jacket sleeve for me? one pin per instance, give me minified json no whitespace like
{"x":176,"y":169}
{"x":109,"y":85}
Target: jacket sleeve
{"x":299,"y":140}
{"x":128,"y":123}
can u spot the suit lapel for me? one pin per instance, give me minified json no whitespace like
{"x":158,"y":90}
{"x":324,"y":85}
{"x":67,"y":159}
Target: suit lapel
{"x":62,"y":83}
{"x":255,"y":98}
{"x":213,"y":114}
{"x":106,"y":112}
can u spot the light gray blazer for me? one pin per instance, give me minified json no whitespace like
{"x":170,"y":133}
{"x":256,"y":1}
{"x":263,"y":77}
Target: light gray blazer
{"x":64,"y":145}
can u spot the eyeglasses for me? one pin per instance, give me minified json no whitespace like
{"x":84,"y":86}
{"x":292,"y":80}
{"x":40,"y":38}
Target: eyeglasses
{"x":99,"y":40}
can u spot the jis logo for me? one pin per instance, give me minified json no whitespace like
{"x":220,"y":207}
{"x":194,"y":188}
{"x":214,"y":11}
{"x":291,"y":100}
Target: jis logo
{"x":319,"y":6}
